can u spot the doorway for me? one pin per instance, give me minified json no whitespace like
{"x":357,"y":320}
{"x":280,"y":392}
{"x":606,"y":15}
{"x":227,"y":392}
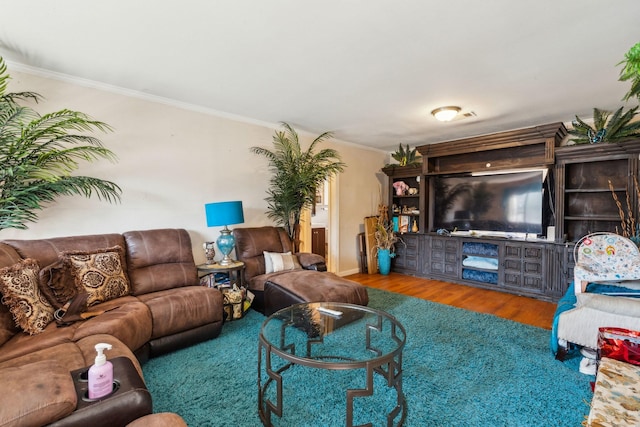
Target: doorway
{"x":319,"y":223}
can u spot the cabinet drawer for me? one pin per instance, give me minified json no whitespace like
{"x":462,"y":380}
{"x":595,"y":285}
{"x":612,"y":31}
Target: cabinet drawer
{"x":437,"y":255}
{"x":514,"y":265}
{"x":533,"y":252}
{"x":444,"y":244}
{"x":532,"y":268}
{"x":512,"y":280}
{"x":532,"y":283}
{"x":513,"y":251}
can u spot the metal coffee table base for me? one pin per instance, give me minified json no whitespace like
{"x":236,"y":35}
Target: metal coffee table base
{"x":275,"y":359}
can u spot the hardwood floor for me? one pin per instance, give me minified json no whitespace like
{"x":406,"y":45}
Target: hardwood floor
{"x":520,"y":309}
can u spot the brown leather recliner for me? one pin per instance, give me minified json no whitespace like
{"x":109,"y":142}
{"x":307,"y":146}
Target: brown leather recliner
{"x":279,"y":289}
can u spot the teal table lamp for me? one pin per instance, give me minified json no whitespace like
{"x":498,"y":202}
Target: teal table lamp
{"x":224,"y":213}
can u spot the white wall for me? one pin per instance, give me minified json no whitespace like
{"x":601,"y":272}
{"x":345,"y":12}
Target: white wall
{"x":172,"y":160}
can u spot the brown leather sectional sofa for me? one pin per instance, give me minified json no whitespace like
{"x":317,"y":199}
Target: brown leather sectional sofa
{"x":164,"y":309}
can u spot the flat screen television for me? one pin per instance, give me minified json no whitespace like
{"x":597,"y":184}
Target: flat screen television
{"x":505,"y":203}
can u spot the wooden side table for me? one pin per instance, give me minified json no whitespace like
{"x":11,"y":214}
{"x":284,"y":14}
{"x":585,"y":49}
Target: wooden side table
{"x":236,"y":269}
{"x":234,"y":296}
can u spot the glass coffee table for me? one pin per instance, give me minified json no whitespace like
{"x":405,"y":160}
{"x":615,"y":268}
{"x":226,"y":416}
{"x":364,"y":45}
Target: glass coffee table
{"x":331,"y":358}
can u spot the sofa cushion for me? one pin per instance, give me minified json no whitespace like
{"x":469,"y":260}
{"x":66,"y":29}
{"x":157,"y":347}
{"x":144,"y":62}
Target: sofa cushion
{"x":23,"y":343}
{"x":49,"y":391}
{"x":21,"y":293}
{"x":47,"y":251}
{"x":98,"y":272}
{"x":8,"y":327}
{"x":8,"y":255}
{"x":160,"y":259}
{"x":126,"y":318}
{"x":74,"y":355}
{"x":253,"y":241}
{"x":180,"y":309}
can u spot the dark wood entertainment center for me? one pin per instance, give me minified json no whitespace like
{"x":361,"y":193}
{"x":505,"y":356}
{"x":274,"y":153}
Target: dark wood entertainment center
{"x":580,"y":202}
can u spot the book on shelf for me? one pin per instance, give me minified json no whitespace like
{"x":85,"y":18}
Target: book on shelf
{"x":404,"y":224}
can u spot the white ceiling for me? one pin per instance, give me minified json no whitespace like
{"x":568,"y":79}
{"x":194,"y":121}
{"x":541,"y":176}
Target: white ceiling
{"x":369,"y":70}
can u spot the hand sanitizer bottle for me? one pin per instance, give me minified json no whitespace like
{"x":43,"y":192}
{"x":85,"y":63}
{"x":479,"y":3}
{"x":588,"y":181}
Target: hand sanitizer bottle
{"x":101,"y":374}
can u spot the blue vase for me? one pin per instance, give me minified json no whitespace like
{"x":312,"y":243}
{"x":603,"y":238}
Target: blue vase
{"x":384,"y":261}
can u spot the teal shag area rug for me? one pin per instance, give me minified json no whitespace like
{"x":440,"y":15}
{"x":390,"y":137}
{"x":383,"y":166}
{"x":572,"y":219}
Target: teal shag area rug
{"x":460,"y":368}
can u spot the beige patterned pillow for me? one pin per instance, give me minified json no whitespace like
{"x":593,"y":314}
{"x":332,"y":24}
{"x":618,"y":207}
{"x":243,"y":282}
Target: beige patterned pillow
{"x":99,"y":273}
{"x":29,"y":307}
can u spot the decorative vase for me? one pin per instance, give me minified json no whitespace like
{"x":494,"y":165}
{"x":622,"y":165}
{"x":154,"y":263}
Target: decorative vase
{"x":384,"y":261}
{"x":415,"y":226}
{"x":209,"y":252}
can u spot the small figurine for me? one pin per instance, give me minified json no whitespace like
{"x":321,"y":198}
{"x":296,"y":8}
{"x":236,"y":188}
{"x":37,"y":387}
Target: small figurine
{"x":401,"y":187}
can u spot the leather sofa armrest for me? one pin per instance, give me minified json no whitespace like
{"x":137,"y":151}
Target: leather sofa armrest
{"x":310,"y":261}
{"x":320,"y":266}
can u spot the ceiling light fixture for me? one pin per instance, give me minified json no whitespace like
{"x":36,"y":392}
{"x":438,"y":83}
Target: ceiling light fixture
{"x":446,"y":114}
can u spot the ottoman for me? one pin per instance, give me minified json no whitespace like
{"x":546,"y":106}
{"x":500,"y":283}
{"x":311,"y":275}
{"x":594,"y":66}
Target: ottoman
{"x":311,"y":286}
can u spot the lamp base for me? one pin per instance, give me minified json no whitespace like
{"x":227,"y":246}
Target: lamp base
{"x":225,"y":243}
{"x":227,"y":260}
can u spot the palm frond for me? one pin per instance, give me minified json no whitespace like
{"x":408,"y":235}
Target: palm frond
{"x":39,"y":153}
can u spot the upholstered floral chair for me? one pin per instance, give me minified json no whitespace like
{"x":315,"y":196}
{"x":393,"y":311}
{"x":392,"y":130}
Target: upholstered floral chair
{"x":605,"y":257}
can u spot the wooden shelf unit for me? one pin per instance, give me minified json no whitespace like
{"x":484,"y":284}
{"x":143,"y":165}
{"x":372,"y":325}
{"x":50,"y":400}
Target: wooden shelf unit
{"x":582,"y":203}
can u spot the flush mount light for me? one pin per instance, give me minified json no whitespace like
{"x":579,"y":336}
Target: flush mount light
{"x":445,"y":114}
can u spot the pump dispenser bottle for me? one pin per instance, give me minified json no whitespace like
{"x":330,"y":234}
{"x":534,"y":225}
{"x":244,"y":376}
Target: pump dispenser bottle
{"x":101,"y":374}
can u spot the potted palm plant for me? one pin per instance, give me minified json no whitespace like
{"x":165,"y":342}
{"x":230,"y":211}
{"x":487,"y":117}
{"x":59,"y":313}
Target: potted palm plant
{"x":296,"y":176}
{"x":38,"y":154}
{"x":405,"y":157}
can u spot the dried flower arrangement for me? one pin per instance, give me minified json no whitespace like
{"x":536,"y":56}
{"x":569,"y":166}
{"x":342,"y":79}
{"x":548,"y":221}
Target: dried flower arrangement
{"x":385,"y":237}
{"x":629,"y":227}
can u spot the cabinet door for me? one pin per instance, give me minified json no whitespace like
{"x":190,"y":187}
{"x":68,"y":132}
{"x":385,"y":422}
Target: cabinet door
{"x":533,"y":263}
{"x":561,"y":273}
{"x":523,"y":266}
{"x":407,"y":254}
{"x":319,"y":241}
{"x":512,"y":265}
{"x":444,"y":260}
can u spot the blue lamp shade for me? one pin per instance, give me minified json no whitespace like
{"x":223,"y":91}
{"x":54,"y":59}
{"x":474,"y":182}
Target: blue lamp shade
{"x":224,"y":213}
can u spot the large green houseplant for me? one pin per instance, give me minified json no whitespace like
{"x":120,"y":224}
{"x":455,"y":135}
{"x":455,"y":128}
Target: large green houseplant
{"x":631,"y":71}
{"x":296,"y":176}
{"x":38,"y":154}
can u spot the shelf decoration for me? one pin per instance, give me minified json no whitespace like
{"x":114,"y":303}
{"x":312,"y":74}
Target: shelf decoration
{"x":606,"y":128}
{"x":386,"y":239}
{"x":405,"y":157}
{"x":401,"y":188}
{"x":628,"y":226}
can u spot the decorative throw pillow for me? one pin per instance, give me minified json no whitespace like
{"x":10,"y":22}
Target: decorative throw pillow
{"x":274,"y":262}
{"x":29,"y":307}
{"x":99,"y":273}
{"x":57,"y":284}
